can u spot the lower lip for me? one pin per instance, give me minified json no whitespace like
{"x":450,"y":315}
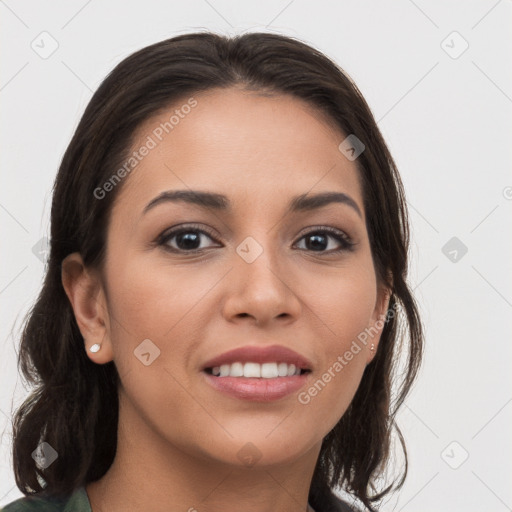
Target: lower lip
{"x":257,"y":389}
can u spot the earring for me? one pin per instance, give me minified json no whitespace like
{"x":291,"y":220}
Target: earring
{"x":372,"y":348}
{"x":95,"y":347}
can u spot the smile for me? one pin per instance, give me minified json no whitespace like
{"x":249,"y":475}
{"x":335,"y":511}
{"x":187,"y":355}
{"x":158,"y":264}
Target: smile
{"x":256,"y":370}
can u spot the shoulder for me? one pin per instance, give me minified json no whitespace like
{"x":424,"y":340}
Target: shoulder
{"x":76,"y":502}
{"x":29,"y":503}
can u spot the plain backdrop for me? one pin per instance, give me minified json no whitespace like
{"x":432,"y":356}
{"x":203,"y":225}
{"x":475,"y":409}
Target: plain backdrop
{"x":438,"y":79}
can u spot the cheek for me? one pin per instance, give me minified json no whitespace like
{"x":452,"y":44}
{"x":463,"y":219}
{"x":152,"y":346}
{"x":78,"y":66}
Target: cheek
{"x":156,"y":304}
{"x":344,"y":303}
{"x":139,"y":309}
{"x":161,"y":303}
{"x":344,"y":309}
{"x":152,"y":300}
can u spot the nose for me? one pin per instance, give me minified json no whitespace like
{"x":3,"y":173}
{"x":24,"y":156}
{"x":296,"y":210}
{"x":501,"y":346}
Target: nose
{"x":263,"y":290}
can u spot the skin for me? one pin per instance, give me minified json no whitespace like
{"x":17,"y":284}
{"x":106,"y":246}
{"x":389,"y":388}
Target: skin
{"x":179,"y":438}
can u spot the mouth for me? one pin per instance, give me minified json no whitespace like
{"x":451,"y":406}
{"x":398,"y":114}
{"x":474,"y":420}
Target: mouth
{"x":259,"y":374}
{"x":273,"y":370}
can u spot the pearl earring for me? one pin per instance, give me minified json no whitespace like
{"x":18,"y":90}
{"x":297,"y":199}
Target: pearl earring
{"x":95,"y":347}
{"x":372,"y":348}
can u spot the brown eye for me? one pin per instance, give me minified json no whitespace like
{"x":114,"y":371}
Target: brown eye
{"x":318,"y":241}
{"x":190,"y":239}
{"x":184,"y":239}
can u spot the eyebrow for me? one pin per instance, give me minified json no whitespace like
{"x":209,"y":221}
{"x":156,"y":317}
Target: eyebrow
{"x":220,"y":202}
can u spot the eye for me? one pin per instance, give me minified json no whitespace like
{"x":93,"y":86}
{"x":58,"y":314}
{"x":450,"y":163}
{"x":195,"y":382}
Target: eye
{"x":187,"y":239}
{"x":319,"y":240}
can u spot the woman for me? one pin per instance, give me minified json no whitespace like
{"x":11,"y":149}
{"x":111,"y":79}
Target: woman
{"x":226,"y":294}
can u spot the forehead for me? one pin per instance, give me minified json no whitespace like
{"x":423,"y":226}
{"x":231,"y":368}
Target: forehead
{"x":252,"y":147}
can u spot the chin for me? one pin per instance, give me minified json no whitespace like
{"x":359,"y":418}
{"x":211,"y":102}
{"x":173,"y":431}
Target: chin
{"x":263,"y":449}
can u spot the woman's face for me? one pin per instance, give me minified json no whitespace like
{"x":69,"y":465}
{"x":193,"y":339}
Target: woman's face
{"x":254,"y":273}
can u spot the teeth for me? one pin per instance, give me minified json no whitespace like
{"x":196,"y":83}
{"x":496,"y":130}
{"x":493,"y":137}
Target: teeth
{"x":292,"y":370}
{"x":236,"y":370}
{"x":265,"y":370}
{"x":269,"y":370}
{"x":282,"y":369}
{"x":251,"y":370}
{"x":224,"y":370}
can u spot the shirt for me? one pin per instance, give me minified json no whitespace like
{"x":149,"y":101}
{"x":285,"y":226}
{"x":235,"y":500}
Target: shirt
{"x":78,"y":501}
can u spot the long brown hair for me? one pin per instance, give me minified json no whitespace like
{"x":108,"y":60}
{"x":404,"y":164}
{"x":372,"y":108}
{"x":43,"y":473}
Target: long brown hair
{"x":74,"y":404}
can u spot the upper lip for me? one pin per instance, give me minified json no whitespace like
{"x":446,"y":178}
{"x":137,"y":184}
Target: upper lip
{"x":257,"y":354}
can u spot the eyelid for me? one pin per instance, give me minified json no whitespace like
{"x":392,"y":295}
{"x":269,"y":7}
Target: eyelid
{"x":327,"y":229}
{"x":170,"y":232}
{"x":347,"y":243}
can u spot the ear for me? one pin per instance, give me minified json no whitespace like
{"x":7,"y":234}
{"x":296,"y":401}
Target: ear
{"x":85,"y":292}
{"x":378,"y":320}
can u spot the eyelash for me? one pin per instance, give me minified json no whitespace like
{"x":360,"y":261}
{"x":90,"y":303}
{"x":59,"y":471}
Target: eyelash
{"x":343,"y":239}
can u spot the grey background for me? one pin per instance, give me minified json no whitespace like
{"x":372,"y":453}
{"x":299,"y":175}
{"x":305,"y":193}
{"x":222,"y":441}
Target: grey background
{"x":445,"y":114}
